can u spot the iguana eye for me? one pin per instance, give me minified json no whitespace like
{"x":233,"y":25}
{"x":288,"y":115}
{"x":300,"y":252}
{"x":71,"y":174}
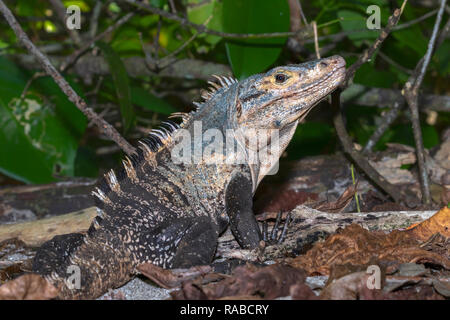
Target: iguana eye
{"x":280,"y":78}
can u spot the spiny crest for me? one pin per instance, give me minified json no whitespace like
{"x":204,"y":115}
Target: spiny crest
{"x":100,"y":195}
{"x":129,"y":169}
{"x":146,"y":150}
{"x":150,"y":145}
{"x":160,"y":137}
{"x":223,"y":82}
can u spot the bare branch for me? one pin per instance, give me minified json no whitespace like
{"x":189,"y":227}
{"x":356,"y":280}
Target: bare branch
{"x":388,"y":119}
{"x":410,"y":91}
{"x":393,"y":20}
{"x":316,"y":42}
{"x":77,"y":54}
{"x":93,"y":24}
{"x":339,"y":125}
{"x":359,"y":159}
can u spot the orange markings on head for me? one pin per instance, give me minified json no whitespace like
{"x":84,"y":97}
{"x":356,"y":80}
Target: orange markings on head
{"x":279,"y":79}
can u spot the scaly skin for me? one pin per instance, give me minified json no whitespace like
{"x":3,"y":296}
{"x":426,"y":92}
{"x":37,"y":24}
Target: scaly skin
{"x":157,"y":210}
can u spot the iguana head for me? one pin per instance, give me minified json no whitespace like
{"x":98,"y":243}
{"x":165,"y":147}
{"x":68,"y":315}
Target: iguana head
{"x":278,"y":100}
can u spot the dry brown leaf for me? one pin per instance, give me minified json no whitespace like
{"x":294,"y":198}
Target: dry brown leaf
{"x":266,"y":282}
{"x":28,"y":287}
{"x":358,"y":246}
{"x":341,"y":203}
{"x":438,"y":223}
{"x":354,"y":286}
{"x":347,"y":287}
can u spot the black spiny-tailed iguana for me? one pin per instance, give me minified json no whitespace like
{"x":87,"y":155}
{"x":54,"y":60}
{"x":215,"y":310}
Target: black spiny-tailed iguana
{"x":170,"y":213}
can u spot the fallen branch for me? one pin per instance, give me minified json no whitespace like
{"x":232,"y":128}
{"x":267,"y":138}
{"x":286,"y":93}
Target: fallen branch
{"x":36,"y":232}
{"x":309,"y":225}
{"x":305,"y":222}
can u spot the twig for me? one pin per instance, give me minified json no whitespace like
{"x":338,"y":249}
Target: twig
{"x":156,"y":40}
{"x":336,"y":37}
{"x":172,"y":6}
{"x":302,"y":13}
{"x":344,"y":137}
{"x":93,"y":24}
{"x":415,"y":21}
{"x":388,"y":119}
{"x":316,"y":42}
{"x":295,"y":43}
{"x":105,"y":127}
{"x":77,"y":54}
{"x":393,"y":63}
{"x":29,"y":82}
{"x":411,"y":91}
{"x":169,"y":59}
{"x":355,"y":183}
{"x":393,"y":20}
{"x":155,"y":64}
{"x":295,"y":16}
{"x":203,"y":29}
{"x":362,"y":163}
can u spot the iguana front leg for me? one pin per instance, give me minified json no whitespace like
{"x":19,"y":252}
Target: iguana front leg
{"x":238,"y":206}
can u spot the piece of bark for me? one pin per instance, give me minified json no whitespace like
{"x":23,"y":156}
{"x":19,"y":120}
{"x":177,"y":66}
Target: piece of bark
{"x":29,"y":202}
{"x":307,"y":226}
{"x":34,"y":233}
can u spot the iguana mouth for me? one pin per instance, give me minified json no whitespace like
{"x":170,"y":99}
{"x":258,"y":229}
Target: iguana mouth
{"x":301,"y":114}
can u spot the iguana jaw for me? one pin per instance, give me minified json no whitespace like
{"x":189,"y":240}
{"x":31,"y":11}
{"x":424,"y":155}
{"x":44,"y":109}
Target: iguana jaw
{"x":279,"y":100}
{"x":285,"y":94}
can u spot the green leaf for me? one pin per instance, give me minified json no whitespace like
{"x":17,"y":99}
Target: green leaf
{"x":38,"y":144}
{"x":36,"y":141}
{"x":403,"y":134}
{"x":442,"y":58}
{"x":24,"y":8}
{"x":413,"y":39}
{"x":82,"y":4}
{"x":158,"y":3}
{"x":73,"y":119}
{"x":311,"y":138}
{"x":430,"y":136}
{"x":121,"y":83}
{"x":148,"y":101}
{"x":86,"y":163}
{"x":368,"y":75}
{"x":212,"y":10}
{"x":352,"y":20}
{"x":252,"y":56}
